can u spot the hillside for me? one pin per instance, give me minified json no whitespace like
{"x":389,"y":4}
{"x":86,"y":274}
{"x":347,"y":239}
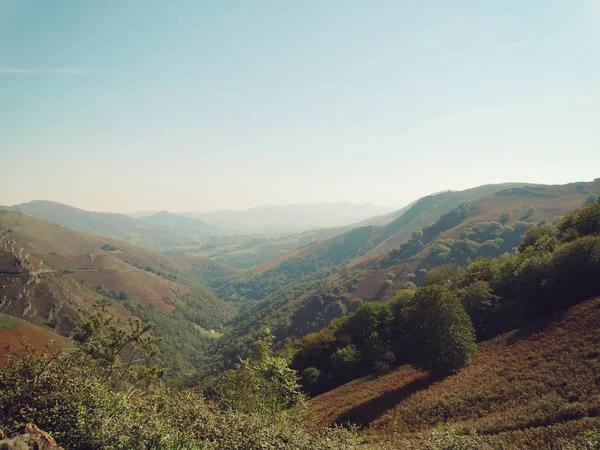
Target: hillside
{"x":424,"y":212}
{"x":64,"y":271}
{"x":93,"y":222}
{"x":466,"y":233}
{"x":526,"y":389}
{"x":169,"y":220}
{"x":165,"y":232}
{"x":15,"y":331}
{"x":164,"y":235}
{"x":301,"y":291}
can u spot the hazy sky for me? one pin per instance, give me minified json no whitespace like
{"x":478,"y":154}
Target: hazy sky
{"x":131,"y":105}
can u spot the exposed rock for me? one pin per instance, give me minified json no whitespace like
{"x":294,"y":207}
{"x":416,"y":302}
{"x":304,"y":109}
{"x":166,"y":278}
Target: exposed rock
{"x":32,"y":439}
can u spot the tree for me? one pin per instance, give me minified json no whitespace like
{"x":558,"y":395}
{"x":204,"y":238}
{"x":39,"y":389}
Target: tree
{"x":266,"y":385}
{"x":438,"y":333}
{"x":589,"y":200}
{"x":371,"y":317}
{"x":535,"y":235}
{"x":119,"y":354}
{"x":481,"y":305}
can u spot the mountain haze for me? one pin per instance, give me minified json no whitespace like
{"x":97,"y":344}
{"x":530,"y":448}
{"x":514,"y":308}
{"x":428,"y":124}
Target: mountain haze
{"x":287,"y":219}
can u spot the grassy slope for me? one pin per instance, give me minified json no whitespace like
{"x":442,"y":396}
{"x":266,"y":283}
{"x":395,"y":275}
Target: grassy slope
{"x":557,"y":201}
{"x":14,"y":331}
{"x":61,"y":248}
{"x":426,"y":211}
{"x":526,"y":388}
{"x":366,"y":281}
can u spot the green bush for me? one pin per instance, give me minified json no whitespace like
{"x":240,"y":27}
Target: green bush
{"x":70,"y":396}
{"x":438,"y":331}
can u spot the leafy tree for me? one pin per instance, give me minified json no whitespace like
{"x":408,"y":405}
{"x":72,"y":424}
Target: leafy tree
{"x":590,"y":199}
{"x":438,"y":331}
{"x":481,"y":304}
{"x":443,"y":275}
{"x":534,"y":235}
{"x":265,"y":386}
{"x":119,"y":354}
{"x":345,"y":360}
{"x":581,"y":222}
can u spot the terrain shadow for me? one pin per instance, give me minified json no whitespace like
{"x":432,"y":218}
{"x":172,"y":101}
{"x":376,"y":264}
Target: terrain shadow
{"x":541,"y":324}
{"x":370,"y":410}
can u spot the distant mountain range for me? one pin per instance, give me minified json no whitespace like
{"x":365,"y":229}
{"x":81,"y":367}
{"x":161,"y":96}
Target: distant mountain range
{"x":111,"y":224}
{"x":167,"y":219}
{"x":286,"y":219}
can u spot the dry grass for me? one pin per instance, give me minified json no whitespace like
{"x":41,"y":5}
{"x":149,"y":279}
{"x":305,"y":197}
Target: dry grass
{"x":525,"y":388}
{"x":14,"y":331}
{"x":60,"y":247}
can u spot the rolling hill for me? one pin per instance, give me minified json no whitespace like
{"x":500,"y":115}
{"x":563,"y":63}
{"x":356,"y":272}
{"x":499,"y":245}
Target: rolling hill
{"x":301,"y":291}
{"x":14,"y":332}
{"x":535,"y":387}
{"x":169,"y":220}
{"x":52,"y":271}
{"x":164,"y":232}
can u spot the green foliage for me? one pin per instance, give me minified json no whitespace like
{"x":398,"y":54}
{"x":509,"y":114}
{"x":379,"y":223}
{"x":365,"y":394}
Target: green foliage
{"x":481,"y":304}
{"x":480,"y":240}
{"x":110,"y":248}
{"x":504,"y":218}
{"x":540,"y":237}
{"x":70,"y":396}
{"x":438,"y":331}
{"x":265,"y":386}
{"x":112,"y":293}
{"x":348,"y":246}
{"x":434,"y":327}
{"x":378,"y":336}
{"x":581,"y":222}
{"x":120,"y":355}
{"x":590,"y":199}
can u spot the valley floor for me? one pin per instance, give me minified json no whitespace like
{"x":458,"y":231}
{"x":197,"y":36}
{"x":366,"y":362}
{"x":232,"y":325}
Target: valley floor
{"x":537,"y":387}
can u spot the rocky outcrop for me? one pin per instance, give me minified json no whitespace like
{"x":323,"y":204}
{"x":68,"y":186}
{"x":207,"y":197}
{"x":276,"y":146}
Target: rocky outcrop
{"x":32,"y":439}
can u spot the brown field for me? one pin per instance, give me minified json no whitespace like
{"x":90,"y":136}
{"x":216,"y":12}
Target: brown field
{"x":525,"y":389}
{"x":14,"y":332}
{"x":69,"y":248}
{"x":62,"y":248}
{"x":145,"y":288}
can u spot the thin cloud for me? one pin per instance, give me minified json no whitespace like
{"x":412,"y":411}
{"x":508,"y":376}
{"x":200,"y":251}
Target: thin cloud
{"x":482,"y":46}
{"x":43,"y":71}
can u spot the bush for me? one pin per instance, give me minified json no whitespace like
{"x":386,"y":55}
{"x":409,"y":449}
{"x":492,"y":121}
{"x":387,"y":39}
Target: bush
{"x":70,"y":396}
{"x":265,"y":386}
{"x":438,"y":331}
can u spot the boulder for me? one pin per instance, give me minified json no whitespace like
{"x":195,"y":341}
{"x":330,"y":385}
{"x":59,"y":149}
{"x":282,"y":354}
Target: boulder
{"x":32,"y":439}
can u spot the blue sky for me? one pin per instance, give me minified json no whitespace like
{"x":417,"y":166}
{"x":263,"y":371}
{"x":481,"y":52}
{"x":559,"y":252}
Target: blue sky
{"x":179,"y":105}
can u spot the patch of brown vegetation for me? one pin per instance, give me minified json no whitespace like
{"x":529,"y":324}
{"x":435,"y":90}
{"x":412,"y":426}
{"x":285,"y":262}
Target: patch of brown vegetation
{"x":527,"y":386}
{"x":359,"y":400}
{"x":15,"y":331}
{"x":145,"y":288}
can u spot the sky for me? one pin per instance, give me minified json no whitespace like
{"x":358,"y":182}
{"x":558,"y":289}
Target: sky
{"x":126,"y":105}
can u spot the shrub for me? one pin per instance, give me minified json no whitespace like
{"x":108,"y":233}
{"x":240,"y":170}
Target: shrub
{"x":438,"y":331}
{"x":69,"y":396}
